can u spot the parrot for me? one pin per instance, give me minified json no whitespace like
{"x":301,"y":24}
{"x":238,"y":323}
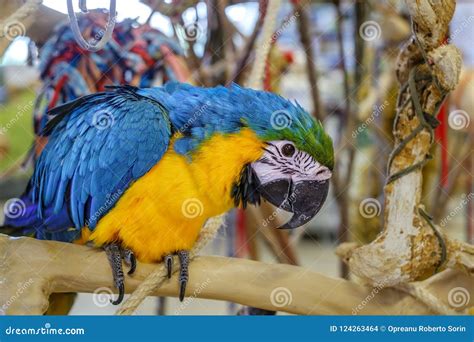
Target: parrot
{"x":139,"y":171}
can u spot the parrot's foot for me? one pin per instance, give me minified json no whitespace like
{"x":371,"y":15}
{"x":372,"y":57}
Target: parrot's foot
{"x":130,"y":260}
{"x":169,"y":264}
{"x":183,"y":271}
{"x":115,"y":254}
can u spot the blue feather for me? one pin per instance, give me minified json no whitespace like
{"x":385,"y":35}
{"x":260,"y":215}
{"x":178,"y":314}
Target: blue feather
{"x":86,"y":165}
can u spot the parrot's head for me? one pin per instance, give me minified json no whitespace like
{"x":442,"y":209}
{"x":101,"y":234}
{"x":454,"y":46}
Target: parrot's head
{"x":292,"y":179}
{"x":296,"y":164}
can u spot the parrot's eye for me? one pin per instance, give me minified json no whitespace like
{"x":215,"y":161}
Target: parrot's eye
{"x":288,"y":150}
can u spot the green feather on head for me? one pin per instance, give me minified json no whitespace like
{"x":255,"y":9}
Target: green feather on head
{"x":304,"y":131}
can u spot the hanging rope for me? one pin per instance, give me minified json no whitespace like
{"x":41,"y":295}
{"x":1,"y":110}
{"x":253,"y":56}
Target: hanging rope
{"x":109,"y":28}
{"x":261,"y":54}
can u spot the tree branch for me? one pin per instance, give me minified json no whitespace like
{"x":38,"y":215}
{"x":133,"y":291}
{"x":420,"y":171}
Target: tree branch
{"x":32,"y":269}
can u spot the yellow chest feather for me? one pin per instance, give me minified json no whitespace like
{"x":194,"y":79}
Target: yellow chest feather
{"x":163,"y":211}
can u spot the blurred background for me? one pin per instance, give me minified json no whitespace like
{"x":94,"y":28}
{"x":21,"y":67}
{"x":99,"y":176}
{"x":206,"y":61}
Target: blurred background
{"x":337,"y":58}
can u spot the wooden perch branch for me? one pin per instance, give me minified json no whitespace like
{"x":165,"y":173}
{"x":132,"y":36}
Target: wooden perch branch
{"x":31,"y":270}
{"x":409,"y":248}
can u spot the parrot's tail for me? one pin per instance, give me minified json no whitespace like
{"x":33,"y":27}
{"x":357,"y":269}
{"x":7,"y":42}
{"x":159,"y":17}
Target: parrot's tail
{"x":15,"y":210}
{"x":22,"y":218}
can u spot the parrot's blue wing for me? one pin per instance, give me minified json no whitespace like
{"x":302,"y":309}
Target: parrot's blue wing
{"x":98,"y":146}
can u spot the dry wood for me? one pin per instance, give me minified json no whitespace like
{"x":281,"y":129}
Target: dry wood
{"x":408,"y":248}
{"x":31,"y":270}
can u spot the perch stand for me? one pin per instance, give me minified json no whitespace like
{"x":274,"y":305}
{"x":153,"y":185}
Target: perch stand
{"x":31,"y":270}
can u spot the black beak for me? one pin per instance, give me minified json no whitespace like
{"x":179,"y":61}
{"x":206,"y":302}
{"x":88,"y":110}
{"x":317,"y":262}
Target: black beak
{"x":304,"y":199}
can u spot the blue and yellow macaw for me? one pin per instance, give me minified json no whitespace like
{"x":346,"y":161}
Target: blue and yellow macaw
{"x":139,"y":171}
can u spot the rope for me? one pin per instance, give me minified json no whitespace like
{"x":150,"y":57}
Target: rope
{"x":157,"y":277}
{"x":21,"y":13}
{"x":269,"y":25}
{"x":423,"y":295}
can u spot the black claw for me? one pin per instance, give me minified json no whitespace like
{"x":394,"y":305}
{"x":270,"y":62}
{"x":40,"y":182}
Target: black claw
{"x":182,"y":289}
{"x":121,"y":288}
{"x":169,"y":264}
{"x":183,"y":273}
{"x":130,"y":260}
{"x":133,"y":264}
{"x":115,"y":253}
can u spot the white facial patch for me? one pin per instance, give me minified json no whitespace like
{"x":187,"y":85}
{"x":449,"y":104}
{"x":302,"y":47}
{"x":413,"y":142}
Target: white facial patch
{"x":277,"y":163}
